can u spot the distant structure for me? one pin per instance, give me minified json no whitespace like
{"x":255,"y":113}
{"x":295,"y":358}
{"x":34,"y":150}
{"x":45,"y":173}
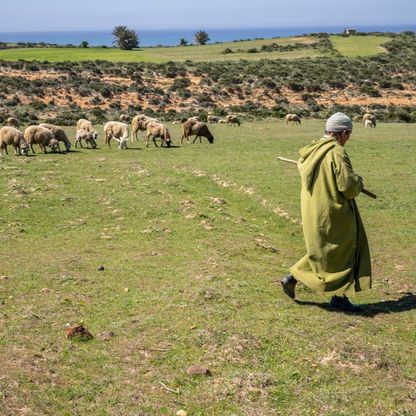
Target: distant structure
{"x":350,"y":32}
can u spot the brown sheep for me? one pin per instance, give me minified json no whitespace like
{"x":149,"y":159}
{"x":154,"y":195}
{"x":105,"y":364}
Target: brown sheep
{"x":41,"y":136}
{"x":59,"y":134}
{"x":12,"y":122}
{"x":139,"y":123}
{"x":11,"y":136}
{"x":371,"y":117}
{"x":198,"y":129}
{"x":294,"y":118}
{"x":156,"y":130}
{"x":213,"y":119}
{"x":232,"y":120}
{"x":124,"y":118}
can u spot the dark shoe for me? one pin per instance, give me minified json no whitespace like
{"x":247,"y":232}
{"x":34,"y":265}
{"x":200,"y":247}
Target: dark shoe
{"x":342,"y":303}
{"x":288,"y":285}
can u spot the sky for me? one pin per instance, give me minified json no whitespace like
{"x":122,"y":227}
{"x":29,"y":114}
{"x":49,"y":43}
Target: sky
{"x":73,"y":15}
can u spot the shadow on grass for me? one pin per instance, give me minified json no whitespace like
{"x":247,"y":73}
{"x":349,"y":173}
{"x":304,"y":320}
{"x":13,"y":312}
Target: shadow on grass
{"x":405,"y":303}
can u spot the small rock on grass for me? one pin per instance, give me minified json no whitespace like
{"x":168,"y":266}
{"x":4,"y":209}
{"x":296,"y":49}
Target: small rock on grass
{"x":198,"y":370}
{"x":78,"y":332}
{"x":181,"y":413}
{"x":106,"y":336}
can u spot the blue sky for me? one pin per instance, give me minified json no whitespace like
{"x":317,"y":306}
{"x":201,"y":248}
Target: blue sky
{"x":51,"y":15}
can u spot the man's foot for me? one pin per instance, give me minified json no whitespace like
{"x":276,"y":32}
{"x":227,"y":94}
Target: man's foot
{"x":288,"y":285}
{"x":342,"y":303}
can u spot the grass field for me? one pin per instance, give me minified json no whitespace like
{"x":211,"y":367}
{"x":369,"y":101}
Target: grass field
{"x":352,"y":46}
{"x":193,"y":239}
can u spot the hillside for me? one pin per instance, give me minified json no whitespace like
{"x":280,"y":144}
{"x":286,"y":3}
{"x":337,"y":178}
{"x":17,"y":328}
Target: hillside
{"x":100,"y":90}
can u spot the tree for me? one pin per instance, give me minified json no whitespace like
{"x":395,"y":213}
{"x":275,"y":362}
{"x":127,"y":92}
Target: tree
{"x":84,"y":44}
{"x":201,"y":37}
{"x":126,"y":38}
{"x":183,"y":42}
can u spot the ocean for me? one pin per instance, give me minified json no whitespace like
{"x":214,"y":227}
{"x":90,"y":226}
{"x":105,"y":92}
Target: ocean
{"x":172,"y":37}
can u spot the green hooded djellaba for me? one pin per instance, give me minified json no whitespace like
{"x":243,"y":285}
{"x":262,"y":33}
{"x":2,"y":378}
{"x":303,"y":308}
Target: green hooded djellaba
{"x":337,"y":257}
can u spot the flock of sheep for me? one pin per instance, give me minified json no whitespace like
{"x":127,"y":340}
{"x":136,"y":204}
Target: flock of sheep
{"x":49,"y":135}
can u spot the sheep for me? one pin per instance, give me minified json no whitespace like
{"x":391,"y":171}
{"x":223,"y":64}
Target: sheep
{"x":12,"y":122}
{"x":83,"y":124}
{"x":213,"y":119}
{"x":371,"y":117}
{"x":294,"y":118}
{"x":41,"y":136}
{"x":87,"y":136}
{"x":158,"y":130}
{"x":124,"y":118}
{"x":59,"y":134}
{"x":223,"y":121}
{"x":12,"y":136}
{"x":195,"y":118}
{"x":368,"y":123}
{"x":140,"y":122}
{"x":176,"y":122}
{"x":118,"y":131}
{"x":198,"y":129}
{"x":231,"y":119}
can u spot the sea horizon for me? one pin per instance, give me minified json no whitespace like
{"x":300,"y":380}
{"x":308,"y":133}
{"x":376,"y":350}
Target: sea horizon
{"x":171,"y":37}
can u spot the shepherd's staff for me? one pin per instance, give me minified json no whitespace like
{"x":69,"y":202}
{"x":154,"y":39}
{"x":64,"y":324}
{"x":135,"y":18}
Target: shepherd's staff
{"x":293,"y":162}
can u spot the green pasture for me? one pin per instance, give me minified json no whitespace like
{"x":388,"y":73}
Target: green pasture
{"x":193,"y":240}
{"x":352,"y":46}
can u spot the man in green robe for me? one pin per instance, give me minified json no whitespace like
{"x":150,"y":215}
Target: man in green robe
{"x":337,"y":259}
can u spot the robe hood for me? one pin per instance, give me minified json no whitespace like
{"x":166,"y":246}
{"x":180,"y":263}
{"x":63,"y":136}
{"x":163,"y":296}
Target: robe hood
{"x":310,"y":157}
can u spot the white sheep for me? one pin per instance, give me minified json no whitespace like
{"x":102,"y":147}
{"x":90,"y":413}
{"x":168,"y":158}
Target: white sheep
{"x":156,"y":130}
{"x":371,"y":117}
{"x":87,"y":136}
{"x":118,"y":131}
{"x":41,"y":136}
{"x":59,"y":134}
{"x":294,"y":118}
{"x":84,"y":124}
{"x":368,"y":123}
{"x":124,"y":118}
{"x":12,"y":136}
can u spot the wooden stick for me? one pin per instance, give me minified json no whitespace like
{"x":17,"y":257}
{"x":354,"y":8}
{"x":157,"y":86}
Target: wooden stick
{"x":293,"y":162}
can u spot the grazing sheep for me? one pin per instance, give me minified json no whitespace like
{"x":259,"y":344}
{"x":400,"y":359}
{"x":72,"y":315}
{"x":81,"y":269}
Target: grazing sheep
{"x":232,"y":120}
{"x":140,"y":122}
{"x":41,"y":136}
{"x":87,"y":136}
{"x":368,"y":123}
{"x":124,"y":118}
{"x":156,"y":130}
{"x":213,"y":119}
{"x":190,"y":128}
{"x":118,"y":131}
{"x":371,"y":117}
{"x":294,"y":118}
{"x":59,"y":134}
{"x":195,"y":118}
{"x":11,"y":136}
{"x":223,"y":121}
{"x":83,"y":124}
{"x":12,"y":122}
